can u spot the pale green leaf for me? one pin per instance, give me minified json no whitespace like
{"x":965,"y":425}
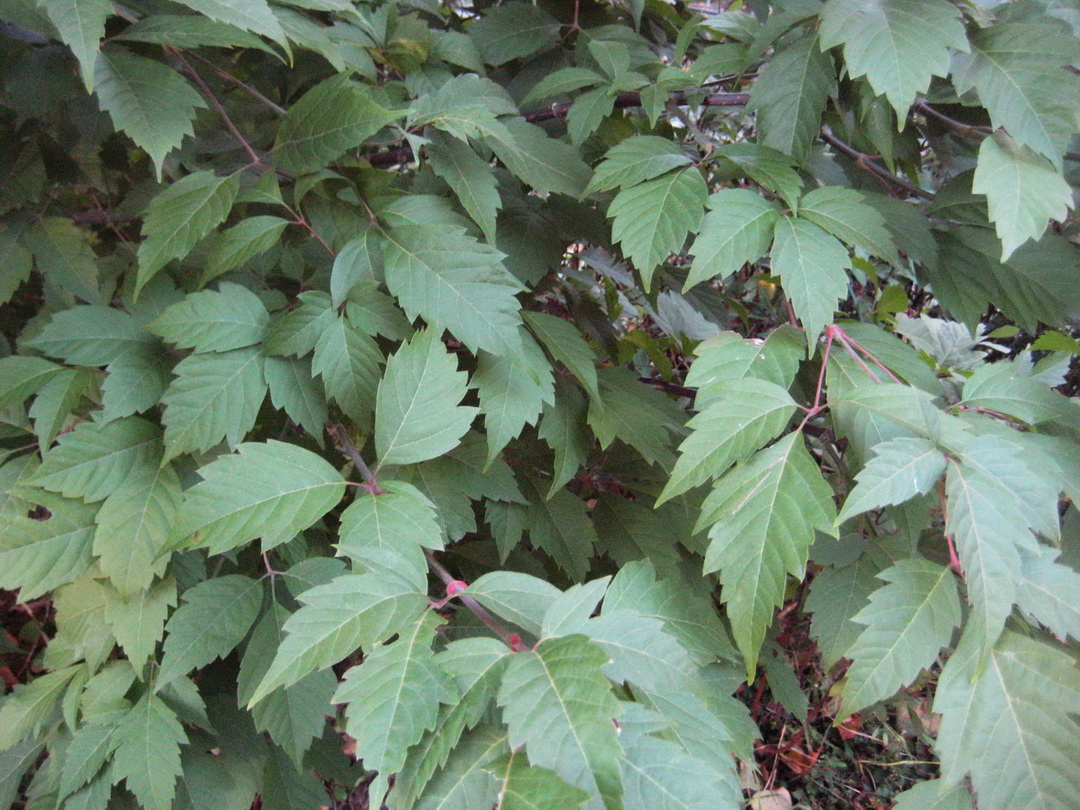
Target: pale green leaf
{"x":900,"y":469}
{"x":297,"y":331}
{"x":1049,"y":592}
{"x":789,"y":97}
{"x":588,"y":112}
{"x":29,"y":706}
{"x":147,"y":755}
{"x":557,"y":703}
{"x":743,"y":417}
{"x":513,"y":390}
{"x":417,"y":415}
{"x":737,"y":229}
{"x":933,"y":795}
{"x":130,"y":89}
{"x":843,"y":213}
{"x":463,"y":784}
{"x":63,"y":255}
{"x":138,"y":622}
{"x":135,"y":382}
{"x":230,"y":317}
{"x":569,"y":611}
{"x":180,"y":216}
{"x":519,"y":598}
{"x":235,"y":246}
{"x":348,"y":362}
{"x":509,"y":32}
{"x":763,"y":515}
{"x":55,"y":401}
{"x":565,"y":343}
{"x":527,"y":787}
{"x":294,"y":390}
{"x":397,"y":523}
{"x":81,"y":26}
{"x":465,"y":106}
{"x":660,"y":775}
{"x":897,"y":44}
{"x":39,"y":555}
{"x":470,"y":177}
{"x":907,"y":621}
{"x":635,"y":160}
{"x":215,"y":617}
{"x":836,"y":596}
{"x":348,"y":612}
{"x":361,"y":259}
{"x":764,"y":165}
{"x":811,"y":264}
{"x":21,"y":377}
{"x":255,"y":16}
{"x":266,"y":489}
{"x":334,"y":116}
{"x":726,"y":357}
{"x":652,"y":219}
{"x":1010,"y":724}
{"x":1022,"y":188}
{"x":376,"y":313}
{"x":88,"y":750}
{"x":91,"y":336}
{"x":454,"y":282}
{"x":133,"y":528}
{"x":213,"y":397}
{"x":642,"y":652}
{"x":392,"y":698}
{"x":1018,"y":71}
{"x":542,"y":162}
{"x":1007,"y":388}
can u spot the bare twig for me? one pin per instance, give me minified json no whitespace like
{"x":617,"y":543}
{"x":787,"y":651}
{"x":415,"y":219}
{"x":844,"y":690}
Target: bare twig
{"x":512,"y":639}
{"x":868,"y":163}
{"x":341,"y":440}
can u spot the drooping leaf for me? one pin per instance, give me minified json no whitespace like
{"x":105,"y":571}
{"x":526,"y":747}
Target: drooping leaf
{"x":763,"y":515}
{"x":561,"y":527}
{"x":631,"y":411}
{"x":251,"y":15}
{"x":737,"y":229}
{"x":81,"y":26}
{"x":348,"y":362}
{"x":907,"y":621}
{"x":562,"y":427}
{"x":513,"y":391}
{"x":417,"y":415}
{"x":764,"y":165}
{"x":471,"y":178}
{"x":293,"y":389}
{"x":897,"y":44}
{"x":542,"y":162}
{"x":565,"y":343}
{"x":147,"y":754}
{"x":811,"y":265}
{"x":266,"y":489}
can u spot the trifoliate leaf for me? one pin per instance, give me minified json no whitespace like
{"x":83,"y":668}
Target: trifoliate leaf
{"x":130,"y":89}
{"x":660,"y":774}
{"x":361,"y":259}
{"x":843,"y":213}
{"x":470,"y":177}
{"x":180,"y":216}
{"x":454,"y":282}
{"x":635,"y":160}
{"x":417,"y":415}
{"x":81,"y":27}
{"x":763,"y":515}
{"x":230,"y":317}
{"x":557,"y":703}
{"x":147,"y":755}
{"x":737,"y":229}
{"x":651,"y":219}
{"x":463,"y":783}
{"x":897,"y":44}
{"x":55,"y":401}
{"x":213,"y":397}
{"x":1010,"y":723}
{"x":348,"y":612}
{"x":348,"y":362}
{"x":513,"y":390}
{"x":907,"y":621}
{"x":88,"y":750}
{"x":744,"y":417}
{"x":900,"y":469}
{"x":466,"y":107}
{"x":215,"y":617}
{"x":270,"y":490}
{"x":334,"y":116}
{"x":1022,"y":188}
{"x":1005,"y":388}
{"x":790,"y":95}
{"x":811,"y":265}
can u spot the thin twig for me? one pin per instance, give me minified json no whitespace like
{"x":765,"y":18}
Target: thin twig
{"x":247,"y":88}
{"x":867,"y":162}
{"x":967,"y":130}
{"x":341,"y":440}
{"x":512,"y":639}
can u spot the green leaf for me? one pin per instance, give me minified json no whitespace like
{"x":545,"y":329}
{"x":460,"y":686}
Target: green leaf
{"x":63,"y":254}
{"x":255,"y":16}
{"x":348,"y":612}
{"x":651,"y":219}
{"x":763,"y":515}
{"x":190,"y":31}
{"x":463,"y":783}
{"x":588,"y":112}
{"x":519,"y":598}
{"x":557,"y":703}
{"x":933,"y":795}
{"x":565,"y":343}
{"x":465,"y":106}
{"x":133,"y":528}
{"x":348,"y":362}
{"x":897,"y":44}
{"x":334,"y":116}
{"x":286,"y":788}
{"x":660,"y":774}
{"x":726,"y":357}
{"x":1011,"y":724}
{"x":266,"y":489}
{"x":737,"y":229}
{"x":398,"y":523}
{"x":392,"y":698}
{"x":91,"y":336}
{"x":454,"y":282}
{"x":234,"y":246}
{"x":1048,"y":592}
{"x":1023,"y":191}
{"x":836,"y":596}
{"x":900,"y":469}
{"x":527,"y":787}
{"x":213,"y":397}
{"x":180,"y":216}
{"x":907,"y":621}
{"x":544,"y":163}
{"x":561,"y":527}
{"x":39,"y":555}
{"x":509,"y":32}
{"x":811,"y":266}
{"x":230,"y":317}
{"x":635,"y":413}
{"x":843,"y":213}
{"x":642,"y":652}
{"x":789,"y":97}
{"x":746,"y":415}
{"x":81,"y":26}
{"x":767,"y":167}
{"x":562,"y":81}
{"x":635,"y":160}
{"x":88,"y":750}
{"x":215,"y":617}
{"x":416,"y":413}
{"x":55,"y":401}
{"x":29,"y":706}
{"x":361,"y":259}
{"x":295,"y":715}
{"x":135,"y":382}
{"x":1017,"y":69}
{"x":1004,"y":387}
{"x":470,"y":177}
{"x":513,"y":390}
{"x":562,"y":427}
{"x":130,"y":89}
{"x":92,"y":460}
{"x":298,"y":330}
{"x":138,"y":622}
{"x":294,"y":390}
{"x":147,"y":755}
{"x":22,"y":377}
{"x":16,"y":262}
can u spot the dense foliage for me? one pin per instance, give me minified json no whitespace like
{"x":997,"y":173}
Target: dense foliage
{"x":477,"y":380}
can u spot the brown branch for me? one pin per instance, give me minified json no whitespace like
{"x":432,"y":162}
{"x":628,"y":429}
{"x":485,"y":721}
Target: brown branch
{"x":512,"y":639}
{"x":342,"y":442}
{"x":867,"y":162}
